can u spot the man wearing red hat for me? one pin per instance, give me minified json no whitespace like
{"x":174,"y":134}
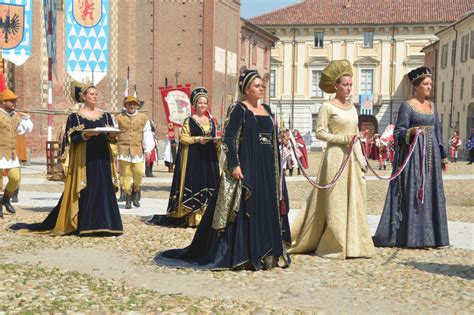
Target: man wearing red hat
{"x":135,"y":138}
{"x":11,"y":124}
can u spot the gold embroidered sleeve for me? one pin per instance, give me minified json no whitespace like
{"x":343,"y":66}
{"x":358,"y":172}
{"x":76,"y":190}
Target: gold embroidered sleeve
{"x":185,"y":137}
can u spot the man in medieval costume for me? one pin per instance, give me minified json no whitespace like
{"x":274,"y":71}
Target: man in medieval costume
{"x":11,"y":124}
{"x":135,"y":143}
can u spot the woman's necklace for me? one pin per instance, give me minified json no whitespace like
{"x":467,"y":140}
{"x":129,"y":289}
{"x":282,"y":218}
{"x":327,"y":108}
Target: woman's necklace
{"x":338,"y":103}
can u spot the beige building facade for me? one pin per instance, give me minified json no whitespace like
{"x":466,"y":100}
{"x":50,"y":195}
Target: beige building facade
{"x":382,"y":49}
{"x":455,"y":79}
{"x":255,"y":48}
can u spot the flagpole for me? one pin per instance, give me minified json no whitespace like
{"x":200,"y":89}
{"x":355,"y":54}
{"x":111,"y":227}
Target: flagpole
{"x":50,"y":77}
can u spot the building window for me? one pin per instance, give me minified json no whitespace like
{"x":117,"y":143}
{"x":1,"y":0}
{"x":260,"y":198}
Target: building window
{"x":472,"y":86}
{"x":472,"y":44}
{"x":314,"y":121}
{"x":369,"y":39}
{"x":442,"y":92}
{"x":366,"y":82}
{"x":453,"y":52}
{"x":319,"y":39}
{"x":444,"y":56}
{"x":456,"y":126}
{"x":272,"y":83}
{"x":464,"y":47}
{"x":315,"y":77}
{"x":461,"y":93}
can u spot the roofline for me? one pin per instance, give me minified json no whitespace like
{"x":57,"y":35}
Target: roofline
{"x":465,"y":17}
{"x":361,"y":24}
{"x":433,"y":44}
{"x":261,"y":31}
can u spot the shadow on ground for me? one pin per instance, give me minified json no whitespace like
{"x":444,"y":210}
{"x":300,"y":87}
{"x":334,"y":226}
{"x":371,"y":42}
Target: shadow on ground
{"x":461,"y":271}
{"x":38,"y":209}
{"x":156,"y":188}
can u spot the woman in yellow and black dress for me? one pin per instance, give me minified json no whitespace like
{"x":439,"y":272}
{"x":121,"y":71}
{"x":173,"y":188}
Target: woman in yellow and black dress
{"x":196,"y":173}
{"x":88,"y":205}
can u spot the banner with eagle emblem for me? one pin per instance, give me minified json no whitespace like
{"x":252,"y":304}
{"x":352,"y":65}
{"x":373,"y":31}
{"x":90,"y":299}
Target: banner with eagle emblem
{"x":15,"y":30}
{"x":87,"y":39}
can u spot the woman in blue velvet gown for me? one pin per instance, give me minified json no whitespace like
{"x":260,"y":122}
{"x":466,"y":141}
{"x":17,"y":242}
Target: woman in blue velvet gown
{"x":196,"y":173}
{"x":414,"y":214}
{"x":88,"y":205}
{"x":244,"y":226}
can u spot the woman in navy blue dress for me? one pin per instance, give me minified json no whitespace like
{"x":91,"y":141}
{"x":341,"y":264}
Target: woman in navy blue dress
{"x":244,"y":226}
{"x":196,"y":173}
{"x":414,"y":214}
{"x":88,"y":205}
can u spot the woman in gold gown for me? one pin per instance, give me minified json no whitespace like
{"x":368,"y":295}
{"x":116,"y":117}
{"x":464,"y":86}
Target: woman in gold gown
{"x":333,"y":222}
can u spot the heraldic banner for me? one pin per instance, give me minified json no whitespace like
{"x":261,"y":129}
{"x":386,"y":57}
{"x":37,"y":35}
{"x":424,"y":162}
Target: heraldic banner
{"x":87,"y":39}
{"x":16,"y":27}
{"x":177,"y":106}
{"x":366,"y":102}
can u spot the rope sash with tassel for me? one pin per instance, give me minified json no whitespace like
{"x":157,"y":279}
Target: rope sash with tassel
{"x":366,"y":160}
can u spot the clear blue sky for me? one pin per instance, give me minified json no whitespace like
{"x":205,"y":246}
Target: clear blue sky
{"x":251,"y":8}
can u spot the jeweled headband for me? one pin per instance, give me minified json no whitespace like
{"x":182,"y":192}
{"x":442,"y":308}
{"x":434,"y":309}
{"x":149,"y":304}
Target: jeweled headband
{"x":417,"y":73}
{"x":197,"y":93}
{"x":246,"y":78}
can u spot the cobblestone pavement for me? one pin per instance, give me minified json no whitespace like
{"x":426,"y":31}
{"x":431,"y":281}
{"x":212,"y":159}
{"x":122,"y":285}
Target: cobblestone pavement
{"x":117,"y":274}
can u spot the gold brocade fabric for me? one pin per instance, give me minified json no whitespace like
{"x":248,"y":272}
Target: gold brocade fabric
{"x":333,"y":222}
{"x":230,"y":190}
{"x":76,"y":180}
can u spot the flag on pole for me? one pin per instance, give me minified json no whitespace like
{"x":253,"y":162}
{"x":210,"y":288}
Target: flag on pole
{"x":17,"y":27}
{"x":366,"y":102}
{"x":49,"y":8}
{"x":87,"y":39}
{"x":125,"y":92}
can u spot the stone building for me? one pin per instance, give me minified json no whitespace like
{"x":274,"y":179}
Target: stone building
{"x":382,"y":40}
{"x":455,"y":78}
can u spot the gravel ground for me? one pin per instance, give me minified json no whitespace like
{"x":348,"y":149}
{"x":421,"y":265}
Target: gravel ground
{"x":117,"y":274}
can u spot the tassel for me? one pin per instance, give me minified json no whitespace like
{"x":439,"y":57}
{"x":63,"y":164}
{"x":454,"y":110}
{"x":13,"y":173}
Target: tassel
{"x":283,"y":208}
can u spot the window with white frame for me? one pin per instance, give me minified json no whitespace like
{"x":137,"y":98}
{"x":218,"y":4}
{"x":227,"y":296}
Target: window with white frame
{"x":368,"y":39}
{"x":366,"y":82}
{"x":272,"y":83}
{"x":461,"y":93}
{"x":319,"y":39}
{"x":315,"y":78}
